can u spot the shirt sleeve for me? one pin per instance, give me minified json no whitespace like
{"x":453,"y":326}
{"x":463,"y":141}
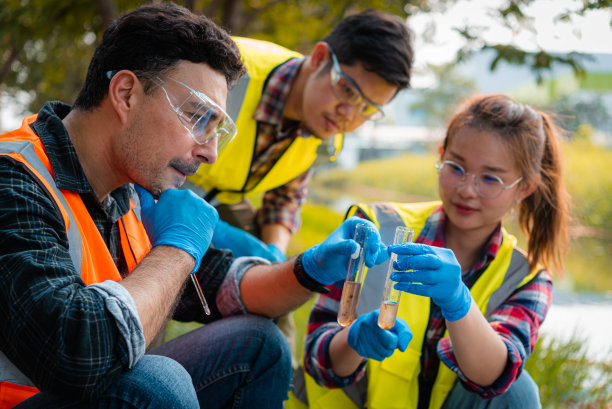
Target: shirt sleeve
{"x":322,"y":326}
{"x":517,"y":322}
{"x":60,"y":333}
{"x":282,"y":205}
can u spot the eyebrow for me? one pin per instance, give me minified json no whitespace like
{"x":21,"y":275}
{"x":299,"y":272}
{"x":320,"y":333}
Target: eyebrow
{"x":492,"y":169}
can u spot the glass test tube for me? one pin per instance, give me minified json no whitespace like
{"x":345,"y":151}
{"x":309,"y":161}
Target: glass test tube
{"x":354,"y":277}
{"x":391,"y":296}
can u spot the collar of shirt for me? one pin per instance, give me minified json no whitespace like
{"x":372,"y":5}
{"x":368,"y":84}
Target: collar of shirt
{"x":274,"y":97}
{"x":67,"y":169}
{"x":433,"y":235}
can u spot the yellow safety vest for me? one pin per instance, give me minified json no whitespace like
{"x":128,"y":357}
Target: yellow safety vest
{"x":393,"y":383}
{"x":228,"y":176}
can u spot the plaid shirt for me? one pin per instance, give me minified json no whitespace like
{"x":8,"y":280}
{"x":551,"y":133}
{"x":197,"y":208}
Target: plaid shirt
{"x":54,"y":329}
{"x":282,"y":204}
{"x":517,"y":322}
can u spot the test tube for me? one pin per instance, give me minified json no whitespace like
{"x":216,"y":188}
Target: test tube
{"x":391,"y":296}
{"x":354,"y":277}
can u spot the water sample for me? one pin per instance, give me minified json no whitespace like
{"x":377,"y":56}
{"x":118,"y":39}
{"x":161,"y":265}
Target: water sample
{"x":391,"y":296}
{"x":354,"y":277}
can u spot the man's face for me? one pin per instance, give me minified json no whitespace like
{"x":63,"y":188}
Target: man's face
{"x":157,"y":147}
{"x":326,"y":109}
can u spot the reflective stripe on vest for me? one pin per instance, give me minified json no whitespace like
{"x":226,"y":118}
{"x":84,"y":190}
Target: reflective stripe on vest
{"x":393,"y":383}
{"x":229,"y":174}
{"x":88,"y":252}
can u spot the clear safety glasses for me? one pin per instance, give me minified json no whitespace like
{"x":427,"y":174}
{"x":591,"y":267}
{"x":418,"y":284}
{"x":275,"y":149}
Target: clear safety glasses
{"x":348,"y":91}
{"x":487,"y":185}
{"x":199,"y":115}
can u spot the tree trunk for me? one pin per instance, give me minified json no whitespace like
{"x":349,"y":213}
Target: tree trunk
{"x":6,"y":67}
{"x":108,"y":12}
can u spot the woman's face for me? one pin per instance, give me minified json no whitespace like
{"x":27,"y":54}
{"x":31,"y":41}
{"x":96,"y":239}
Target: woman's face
{"x":479,"y":151}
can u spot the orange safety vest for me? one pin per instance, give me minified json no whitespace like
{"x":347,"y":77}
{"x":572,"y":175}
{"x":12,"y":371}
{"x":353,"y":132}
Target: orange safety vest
{"x":87,"y":249}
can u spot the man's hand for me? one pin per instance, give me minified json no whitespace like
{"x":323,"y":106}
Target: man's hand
{"x":242,"y":243}
{"x":434,"y":272}
{"x":371,"y":341}
{"x":327,"y":262}
{"x":179,"y":219}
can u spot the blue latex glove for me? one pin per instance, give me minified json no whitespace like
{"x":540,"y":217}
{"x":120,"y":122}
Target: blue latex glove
{"x":436,"y":274}
{"x":179,"y":218}
{"x":242,"y":243}
{"x":327,"y":262}
{"x":371,"y":341}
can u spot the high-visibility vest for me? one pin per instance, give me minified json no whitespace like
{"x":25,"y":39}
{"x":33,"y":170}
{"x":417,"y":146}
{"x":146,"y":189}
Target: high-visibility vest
{"x":227,"y":178}
{"x":89,"y":254}
{"x":393,"y":383}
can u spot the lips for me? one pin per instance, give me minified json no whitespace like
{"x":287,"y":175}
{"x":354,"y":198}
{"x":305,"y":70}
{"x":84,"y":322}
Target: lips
{"x":186,"y":170}
{"x":464,"y":209}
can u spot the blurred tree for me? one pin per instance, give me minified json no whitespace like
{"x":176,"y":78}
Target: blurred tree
{"x":439,"y":102}
{"x":572,"y":111}
{"x":45,"y":45}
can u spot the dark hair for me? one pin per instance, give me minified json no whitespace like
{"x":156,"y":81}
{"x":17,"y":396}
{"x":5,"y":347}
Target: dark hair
{"x":381,"y":41}
{"x":150,"y":40}
{"x":533,"y":139}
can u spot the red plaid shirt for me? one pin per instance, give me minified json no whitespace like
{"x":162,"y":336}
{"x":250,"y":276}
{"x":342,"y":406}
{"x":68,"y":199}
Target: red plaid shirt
{"x":280,"y":205}
{"x":517,"y":322}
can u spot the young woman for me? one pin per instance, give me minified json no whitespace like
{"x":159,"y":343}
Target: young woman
{"x":472,"y":302}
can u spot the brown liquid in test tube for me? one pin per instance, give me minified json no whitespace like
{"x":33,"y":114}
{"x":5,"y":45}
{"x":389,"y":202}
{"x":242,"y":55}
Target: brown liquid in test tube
{"x":354,"y":276}
{"x":391,"y":296}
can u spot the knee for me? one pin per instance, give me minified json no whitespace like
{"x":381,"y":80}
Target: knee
{"x":523,"y":393}
{"x":275,"y":351}
{"x":275,"y":343}
{"x":158,"y":381}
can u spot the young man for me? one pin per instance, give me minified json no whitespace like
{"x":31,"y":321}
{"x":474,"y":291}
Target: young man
{"x":97,"y":243}
{"x":285,"y":106}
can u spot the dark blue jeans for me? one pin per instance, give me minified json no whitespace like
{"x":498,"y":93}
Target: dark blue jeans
{"x":522,"y":394}
{"x":236,"y":362}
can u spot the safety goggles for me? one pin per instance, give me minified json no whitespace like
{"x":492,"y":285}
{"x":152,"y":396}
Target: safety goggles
{"x":487,"y":185}
{"x":347,"y":90}
{"x":199,"y":115}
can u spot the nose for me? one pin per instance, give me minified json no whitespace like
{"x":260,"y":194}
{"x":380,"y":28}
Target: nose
{"x":347,"y":111}
{"x":207,"y":152}
{"x":467,"y":187}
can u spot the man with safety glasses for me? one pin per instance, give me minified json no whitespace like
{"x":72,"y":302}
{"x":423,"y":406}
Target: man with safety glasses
{"x":99,"y":247}
{"x":289,"y":109}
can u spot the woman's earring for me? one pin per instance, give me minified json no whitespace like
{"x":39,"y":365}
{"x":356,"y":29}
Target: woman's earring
{"x":518,"y":201}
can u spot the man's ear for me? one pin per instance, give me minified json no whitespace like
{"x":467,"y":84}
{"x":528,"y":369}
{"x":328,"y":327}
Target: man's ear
{"x":319,"y":56}
{"x":122,"y":93}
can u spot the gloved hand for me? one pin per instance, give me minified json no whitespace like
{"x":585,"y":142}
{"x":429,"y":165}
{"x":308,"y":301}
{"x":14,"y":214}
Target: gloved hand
{"x":328,"y":262}
{"x":242,"y":243}
{"x":371,"y":341}
{"x":436,"y":274}
{"x":179,"y":218}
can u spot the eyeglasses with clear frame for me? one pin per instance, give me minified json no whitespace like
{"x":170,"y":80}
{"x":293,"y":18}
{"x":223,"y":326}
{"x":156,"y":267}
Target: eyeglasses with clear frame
{"x":197,"y":113}
{"x":347,"y":90}
{"x":487,"y":185}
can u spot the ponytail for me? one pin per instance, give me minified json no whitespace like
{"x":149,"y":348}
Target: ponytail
{"x":544,"y":215}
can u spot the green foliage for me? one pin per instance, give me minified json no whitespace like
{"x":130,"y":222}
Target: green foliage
{"x":590,"y":184}
{"x":567,"y":378}
{"x":45,"y":46}
{"x":379,"y":180}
